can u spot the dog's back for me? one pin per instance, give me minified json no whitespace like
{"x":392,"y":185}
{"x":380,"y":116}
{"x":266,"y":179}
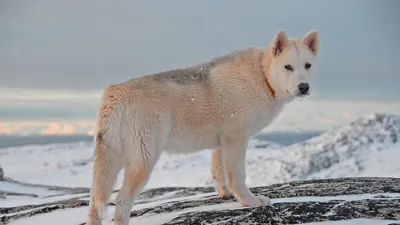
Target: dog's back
{"x":194,"y":104}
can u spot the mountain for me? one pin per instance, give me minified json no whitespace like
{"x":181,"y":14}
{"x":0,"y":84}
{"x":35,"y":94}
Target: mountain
{"x":346,"y":151}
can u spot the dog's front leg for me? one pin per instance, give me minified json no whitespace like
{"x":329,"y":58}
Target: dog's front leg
{"x":233,"y":156}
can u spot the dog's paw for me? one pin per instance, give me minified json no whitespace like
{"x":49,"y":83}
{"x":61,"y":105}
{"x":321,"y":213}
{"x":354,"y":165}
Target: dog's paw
{"x":256,"y":201}
{"x":223,"y":192}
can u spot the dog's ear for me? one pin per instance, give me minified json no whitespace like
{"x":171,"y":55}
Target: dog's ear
{"x":311,"y":41}
{"x":279,"y":43}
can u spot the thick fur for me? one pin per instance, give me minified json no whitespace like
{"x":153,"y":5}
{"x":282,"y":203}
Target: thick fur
{"x":216,"y":105}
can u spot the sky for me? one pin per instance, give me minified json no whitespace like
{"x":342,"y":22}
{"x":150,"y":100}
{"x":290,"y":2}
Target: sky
{"x":56,"y":57}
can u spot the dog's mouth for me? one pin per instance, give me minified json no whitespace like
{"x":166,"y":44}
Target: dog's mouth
{"x":298,"y":95}
{"x":303,"y":94}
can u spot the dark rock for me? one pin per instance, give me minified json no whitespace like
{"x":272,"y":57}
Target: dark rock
{"x":296,"y":212}
{"x":373,"y":198}
{"x":380,"y":199}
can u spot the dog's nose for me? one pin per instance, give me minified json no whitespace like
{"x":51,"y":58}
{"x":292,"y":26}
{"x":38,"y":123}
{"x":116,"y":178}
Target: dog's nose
{"x":303,"y":88}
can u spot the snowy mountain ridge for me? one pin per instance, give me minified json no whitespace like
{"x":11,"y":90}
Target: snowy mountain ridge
{"x":340,"y":152}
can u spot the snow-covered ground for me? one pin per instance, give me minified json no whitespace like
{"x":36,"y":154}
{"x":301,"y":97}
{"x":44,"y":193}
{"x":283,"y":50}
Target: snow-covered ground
{"x":366,"y":147}
{"x":355,"y":222}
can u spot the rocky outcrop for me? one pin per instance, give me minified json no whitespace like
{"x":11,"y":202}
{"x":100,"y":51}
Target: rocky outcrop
{"x":292,"y":203}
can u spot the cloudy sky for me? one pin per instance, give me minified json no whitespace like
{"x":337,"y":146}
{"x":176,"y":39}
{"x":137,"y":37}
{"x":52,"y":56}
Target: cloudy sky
{"x":57,"y":56}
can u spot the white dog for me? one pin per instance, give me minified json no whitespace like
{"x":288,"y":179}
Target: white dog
{"x":218,"y":104}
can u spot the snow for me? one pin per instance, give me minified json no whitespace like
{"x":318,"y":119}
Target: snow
{"x":74,"y":215}
{"x":361,"y":221}
{"x":36,"y":201}
{"x":364,"y":148}
{"x":71,"y":165}
{"x":18,"y":188}
{"x":337,"y":197}
{"x":383,"y":162}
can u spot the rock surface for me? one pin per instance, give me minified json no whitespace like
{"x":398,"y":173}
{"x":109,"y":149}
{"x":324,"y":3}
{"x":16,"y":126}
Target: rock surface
{"x":292,"y":203}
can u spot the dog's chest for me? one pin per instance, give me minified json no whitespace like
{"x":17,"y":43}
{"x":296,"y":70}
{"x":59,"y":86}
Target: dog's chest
{"x":264,"y":115}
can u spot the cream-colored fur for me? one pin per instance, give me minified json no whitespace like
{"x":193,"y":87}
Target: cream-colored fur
{"x":216,"y":105}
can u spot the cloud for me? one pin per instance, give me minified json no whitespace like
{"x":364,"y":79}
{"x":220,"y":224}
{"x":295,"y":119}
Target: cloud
{"x":19,"y":94}
{"x":56,"y":57}
{"x":54,"y":128}
{"x":22,"y":104}
{"x":46,"y":127}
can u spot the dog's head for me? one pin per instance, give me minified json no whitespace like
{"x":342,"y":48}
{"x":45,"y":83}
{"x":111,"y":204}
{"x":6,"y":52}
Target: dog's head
{"x":292,"y":63}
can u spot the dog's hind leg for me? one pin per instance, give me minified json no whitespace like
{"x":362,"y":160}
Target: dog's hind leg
{"x":105,"y":172}
{"x":217,"y":171}
{"x":145,"y":153}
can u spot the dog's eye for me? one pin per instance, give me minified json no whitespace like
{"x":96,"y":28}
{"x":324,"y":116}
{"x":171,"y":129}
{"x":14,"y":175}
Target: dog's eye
{"x":307,"y":66}
{"x":288,"y":67}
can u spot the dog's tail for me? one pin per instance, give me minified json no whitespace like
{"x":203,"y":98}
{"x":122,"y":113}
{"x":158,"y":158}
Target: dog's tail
{"x":106,"y":149}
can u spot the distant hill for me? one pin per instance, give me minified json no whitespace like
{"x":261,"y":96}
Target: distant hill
{"x":281,"y":137}
{"x":17,"y":140}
